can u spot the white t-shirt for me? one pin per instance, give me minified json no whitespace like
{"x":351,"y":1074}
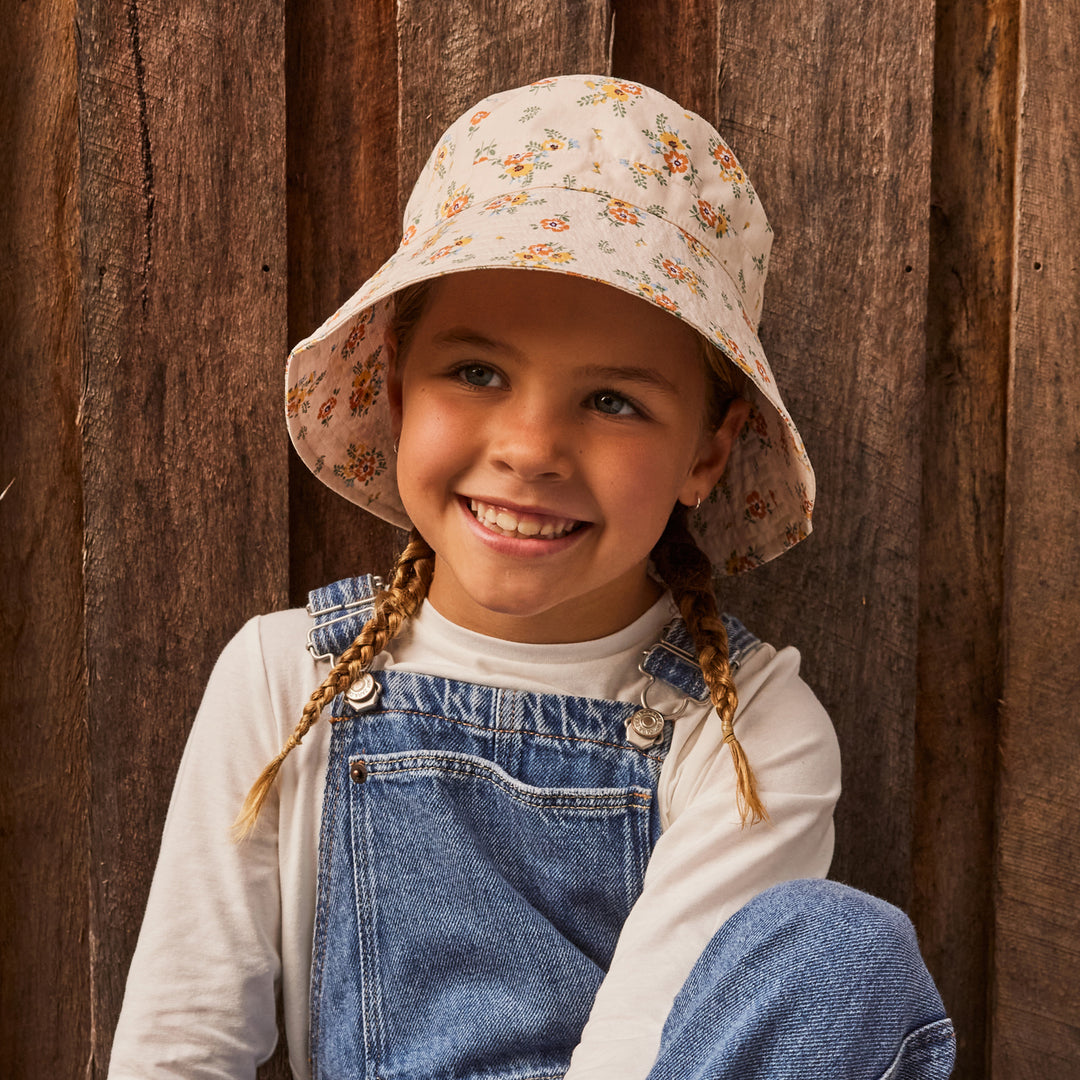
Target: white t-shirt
{"x":227,"y":924}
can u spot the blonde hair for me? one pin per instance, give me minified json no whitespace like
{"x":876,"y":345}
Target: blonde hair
{"x":681,"y":565}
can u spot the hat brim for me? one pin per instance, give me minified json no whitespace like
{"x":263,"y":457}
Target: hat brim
{"x":336,"y":403}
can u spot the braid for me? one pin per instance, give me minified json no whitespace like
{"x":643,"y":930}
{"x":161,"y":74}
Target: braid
{"x":687,"y":572}
{"x":393,"y":607}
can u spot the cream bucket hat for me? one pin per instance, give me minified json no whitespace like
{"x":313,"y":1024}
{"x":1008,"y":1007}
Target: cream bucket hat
{"x":582,"y":175}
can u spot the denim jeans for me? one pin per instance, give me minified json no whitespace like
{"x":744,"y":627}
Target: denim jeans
{"x":480,"y":850}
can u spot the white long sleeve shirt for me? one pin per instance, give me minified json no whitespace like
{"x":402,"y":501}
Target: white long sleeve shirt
{"x":227,"y":924}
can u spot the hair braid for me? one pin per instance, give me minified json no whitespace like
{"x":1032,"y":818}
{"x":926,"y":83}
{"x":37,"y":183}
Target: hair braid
{"x":393,"y":607}
{"x":687,"y":572}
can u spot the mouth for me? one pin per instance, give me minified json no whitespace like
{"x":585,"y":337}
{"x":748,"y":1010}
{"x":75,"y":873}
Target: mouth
{"x":521,"y":524}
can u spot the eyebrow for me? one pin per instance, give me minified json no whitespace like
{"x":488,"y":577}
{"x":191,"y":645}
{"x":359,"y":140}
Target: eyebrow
{"x":645,"y":376}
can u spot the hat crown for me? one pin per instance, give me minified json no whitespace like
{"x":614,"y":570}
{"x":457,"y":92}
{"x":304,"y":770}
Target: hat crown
{"x":606,"y":137}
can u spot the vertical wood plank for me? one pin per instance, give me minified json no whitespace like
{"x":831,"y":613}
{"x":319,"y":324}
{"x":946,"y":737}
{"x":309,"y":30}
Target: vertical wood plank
{"x":44,"y":978}
{"x":452,"y":54}
{"x":963,"y":509}
{"x":183,"y":204}
{"x":670,"y":45}
{"x":343,"y":222}
{"x":1035,"y":998}
{"x":829,"y":108}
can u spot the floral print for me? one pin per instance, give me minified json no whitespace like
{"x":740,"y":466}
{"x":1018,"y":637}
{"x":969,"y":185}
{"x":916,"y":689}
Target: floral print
{"x":600,"y":178}
{"x":362,"y":465}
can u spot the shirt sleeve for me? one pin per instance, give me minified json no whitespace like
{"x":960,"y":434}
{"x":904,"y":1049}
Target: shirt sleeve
{"x":705,"y":866}
{"x":200,"y":995}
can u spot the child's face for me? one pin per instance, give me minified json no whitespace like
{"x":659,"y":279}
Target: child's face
{"x":569,"y":415}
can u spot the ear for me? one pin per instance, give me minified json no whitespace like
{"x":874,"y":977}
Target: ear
{"x":393,"y":381}
{"x":713,"y":453}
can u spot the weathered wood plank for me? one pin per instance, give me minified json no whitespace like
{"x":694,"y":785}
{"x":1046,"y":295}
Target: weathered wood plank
{"x":829,"y":107}
{"x":183,"y":209}
{"x":452,"y":54}
{"x":343,"y":222}
{"x":963,"y":508}
{"x":1035,"y":985}
{"x":670,"y":45}
{"x":44,"y":945}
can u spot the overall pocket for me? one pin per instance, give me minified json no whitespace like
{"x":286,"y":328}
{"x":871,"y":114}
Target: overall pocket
{"x":487,"y":911}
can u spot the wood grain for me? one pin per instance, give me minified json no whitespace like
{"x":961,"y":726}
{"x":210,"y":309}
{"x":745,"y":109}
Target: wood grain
{"x":453,"y":54}
{"x":183,"y":204}
{"x":343,"y":223}
{"x":44,"y":779}
{"x":829,"y":108}
{"x":963,"y":506}
{"x":1035,"y":996}
{"x":670,"y":45}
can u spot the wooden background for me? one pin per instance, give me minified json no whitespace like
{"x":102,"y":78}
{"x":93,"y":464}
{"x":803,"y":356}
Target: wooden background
{"x":189,"y":188}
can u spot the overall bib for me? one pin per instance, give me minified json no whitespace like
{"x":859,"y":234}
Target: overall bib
{"x":480,"y":849}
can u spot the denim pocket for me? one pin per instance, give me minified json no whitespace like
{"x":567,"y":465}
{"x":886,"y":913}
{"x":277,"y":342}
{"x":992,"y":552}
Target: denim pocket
{"x":487,"y":910}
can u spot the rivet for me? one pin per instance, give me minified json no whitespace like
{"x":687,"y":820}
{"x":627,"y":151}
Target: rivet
{"x":648,"y":723}
{"x":358,"y":772}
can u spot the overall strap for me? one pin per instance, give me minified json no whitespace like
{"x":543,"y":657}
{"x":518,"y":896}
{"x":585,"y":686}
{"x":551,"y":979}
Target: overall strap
{"x":674,"y":660}
{"x":340,"y":611}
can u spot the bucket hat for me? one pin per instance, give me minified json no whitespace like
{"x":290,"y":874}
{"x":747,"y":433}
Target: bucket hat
{"x":584,"y":175}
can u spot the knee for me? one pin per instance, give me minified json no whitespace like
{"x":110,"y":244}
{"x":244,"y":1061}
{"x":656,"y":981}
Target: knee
{"x":864,"y":943}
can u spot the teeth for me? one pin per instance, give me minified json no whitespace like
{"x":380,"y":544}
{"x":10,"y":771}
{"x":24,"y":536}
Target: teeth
{"x":500,"y":520}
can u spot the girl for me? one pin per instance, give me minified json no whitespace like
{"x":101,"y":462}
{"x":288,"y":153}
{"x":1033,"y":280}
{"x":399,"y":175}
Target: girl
{"x":555,"y":824}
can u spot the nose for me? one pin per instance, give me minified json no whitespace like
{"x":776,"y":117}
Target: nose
{"x":534,"y":444}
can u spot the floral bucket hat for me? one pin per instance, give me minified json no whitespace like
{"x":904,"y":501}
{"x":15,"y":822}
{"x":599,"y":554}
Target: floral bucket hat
{"x":601,"y":178}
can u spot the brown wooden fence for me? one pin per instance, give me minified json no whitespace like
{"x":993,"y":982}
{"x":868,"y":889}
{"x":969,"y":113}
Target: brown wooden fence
{"x":188,"y":188}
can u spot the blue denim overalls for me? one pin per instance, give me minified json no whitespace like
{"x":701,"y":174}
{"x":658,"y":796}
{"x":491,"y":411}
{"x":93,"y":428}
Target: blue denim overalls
{"x":480,"y":850}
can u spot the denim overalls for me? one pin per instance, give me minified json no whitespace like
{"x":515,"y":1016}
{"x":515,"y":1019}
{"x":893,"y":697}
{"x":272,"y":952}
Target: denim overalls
{"x":480,"y":849}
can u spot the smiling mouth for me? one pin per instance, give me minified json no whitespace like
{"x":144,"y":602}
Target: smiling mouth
{"x":504,"y":522}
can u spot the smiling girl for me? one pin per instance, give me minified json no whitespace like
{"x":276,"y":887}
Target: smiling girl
{"x":566,"y":819}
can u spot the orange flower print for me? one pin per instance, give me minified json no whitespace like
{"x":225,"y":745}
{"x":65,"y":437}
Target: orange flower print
{"x":478,"y":116}
{"x":758,"y":507}
{"x":622,"y":213}
{"x":554,"y":224}
{"x":800,"y":490}
{"x":363,"y":465}
{"x":667,"y":304}
{"x":675,"y":270}
{"x":794,"y":532}
{"x":296,"y":400}
{"x":518,"y":166}
{"x":439,"y":164}
{"x":730,"y":169}
{"x":356,"y":335}
{"x":617,"y":94}
{"x":460,"y":242}
{"x":326,"y":409}
{"x":410,"y":232}
{"x":504,"y":202}
{"x":761,"y":426}
{"x":455,"y":202}
{"x":696,"y":248}
{"x":729,"y":346}
{"x":737,"y":564}
{"x":542,"y":255}
{"x":762,"y":370}
{"x":712,"y":219}
{"x":367,"y":382}
{"x":676,"y":163}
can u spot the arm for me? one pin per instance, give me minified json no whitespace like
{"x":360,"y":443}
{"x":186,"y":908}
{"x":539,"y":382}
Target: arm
{"x":705,"y":866}
{"x":199,"y":1002}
